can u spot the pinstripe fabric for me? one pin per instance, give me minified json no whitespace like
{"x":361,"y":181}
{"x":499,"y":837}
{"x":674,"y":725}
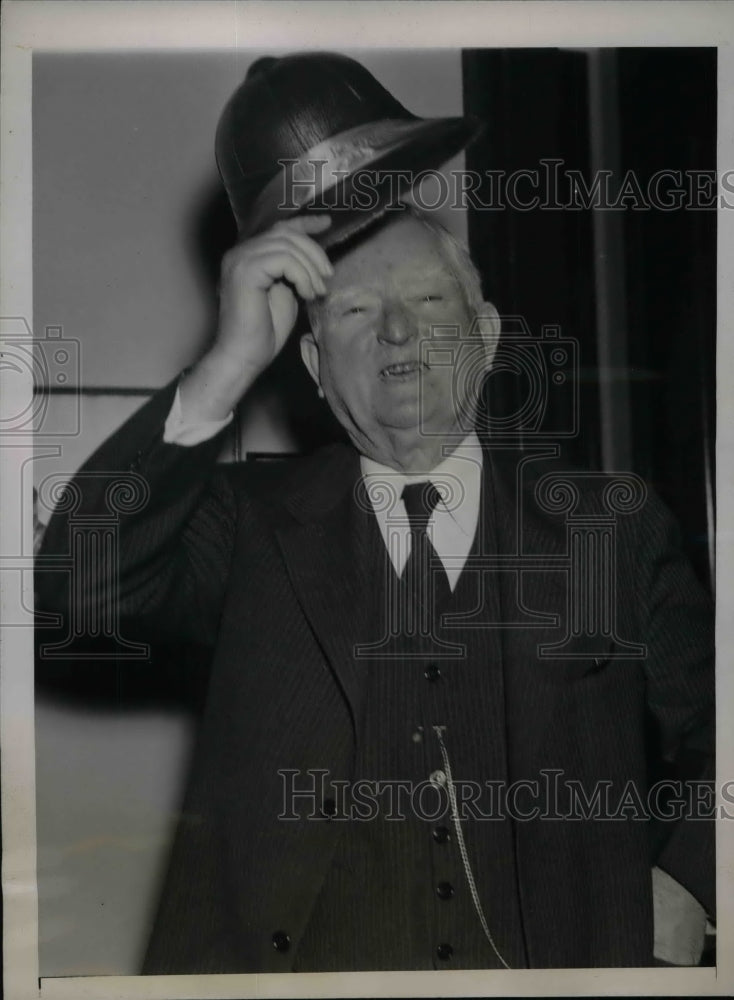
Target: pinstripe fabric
{"x":265,"y":564}
{"x":379,"y":907}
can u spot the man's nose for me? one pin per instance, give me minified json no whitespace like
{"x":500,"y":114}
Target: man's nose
{"x":398,"y":326}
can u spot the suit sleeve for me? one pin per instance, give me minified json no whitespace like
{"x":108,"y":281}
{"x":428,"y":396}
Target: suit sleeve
{"x":147,"y":526}
{"x":679,"y":668}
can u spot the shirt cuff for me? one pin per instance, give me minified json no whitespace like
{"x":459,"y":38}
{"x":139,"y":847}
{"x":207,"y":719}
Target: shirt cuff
{"x":680,"y":921}
{"x":188,"y":433}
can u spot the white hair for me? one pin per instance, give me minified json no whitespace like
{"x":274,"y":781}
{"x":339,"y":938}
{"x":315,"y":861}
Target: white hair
{"x":457,"y":256}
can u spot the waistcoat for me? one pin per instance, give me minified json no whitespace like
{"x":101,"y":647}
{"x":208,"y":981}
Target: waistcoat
{"x":400,"y":892}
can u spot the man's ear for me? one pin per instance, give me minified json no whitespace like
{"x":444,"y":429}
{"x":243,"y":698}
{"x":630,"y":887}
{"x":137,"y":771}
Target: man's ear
{"x":310,"y":356}
{"x":489,"y":325}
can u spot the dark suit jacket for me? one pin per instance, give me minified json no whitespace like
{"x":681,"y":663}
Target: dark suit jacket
{"x":262,"y":563}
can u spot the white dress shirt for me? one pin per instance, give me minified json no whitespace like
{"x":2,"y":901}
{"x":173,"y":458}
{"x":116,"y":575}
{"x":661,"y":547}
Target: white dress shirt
{"x":188,"y":433}
{"x":452,"y":524}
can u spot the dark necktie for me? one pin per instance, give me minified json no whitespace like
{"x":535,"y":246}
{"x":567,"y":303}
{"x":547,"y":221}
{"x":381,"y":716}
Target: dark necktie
{"x":427,"y":585}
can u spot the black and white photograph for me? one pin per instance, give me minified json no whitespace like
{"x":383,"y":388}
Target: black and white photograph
{"x":365,"y":419}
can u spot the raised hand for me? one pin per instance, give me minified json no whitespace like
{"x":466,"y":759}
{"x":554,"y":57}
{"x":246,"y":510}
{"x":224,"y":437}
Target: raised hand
{"x":260,"y":279}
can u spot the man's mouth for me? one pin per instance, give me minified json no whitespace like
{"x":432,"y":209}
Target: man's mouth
{"x":402,"y":369}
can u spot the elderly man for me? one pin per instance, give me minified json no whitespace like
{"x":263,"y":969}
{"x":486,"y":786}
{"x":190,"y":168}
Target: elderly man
{"x":373,"y":626}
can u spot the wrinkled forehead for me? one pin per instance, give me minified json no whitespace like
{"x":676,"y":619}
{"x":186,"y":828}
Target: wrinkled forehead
{"x":404,"y":249}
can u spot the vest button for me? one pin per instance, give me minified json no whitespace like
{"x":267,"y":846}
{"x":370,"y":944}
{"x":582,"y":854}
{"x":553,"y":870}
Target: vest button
{"x":281,"y":941}
{"x":437,"y":778}
{"x":441,"y":835}
{"x":432,"y":673}
{"x":444,"y":890}
{"x":444,"y":952}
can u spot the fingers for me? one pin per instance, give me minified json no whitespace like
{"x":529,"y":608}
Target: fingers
{"x":315,"y":253}
{"x":300,"y":275}
{"x":284,"y":251}
{"x":299,"y":230}
{"x":304,"y":251}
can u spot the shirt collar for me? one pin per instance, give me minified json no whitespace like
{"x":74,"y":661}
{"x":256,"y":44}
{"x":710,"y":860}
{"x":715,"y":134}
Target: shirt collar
{"x":457,"y":477}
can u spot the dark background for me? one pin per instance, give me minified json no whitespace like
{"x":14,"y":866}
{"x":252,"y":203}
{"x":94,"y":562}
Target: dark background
{"x":655,"y":109}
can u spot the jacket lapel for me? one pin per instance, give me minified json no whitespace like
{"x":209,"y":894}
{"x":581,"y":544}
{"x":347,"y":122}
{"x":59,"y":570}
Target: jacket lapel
{"x":331,"y":552}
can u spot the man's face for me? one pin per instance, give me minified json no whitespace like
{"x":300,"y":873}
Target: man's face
{"x":388,"y":298}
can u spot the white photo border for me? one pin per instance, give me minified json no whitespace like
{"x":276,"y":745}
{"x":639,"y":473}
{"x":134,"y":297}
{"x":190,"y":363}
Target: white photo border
{"x":117,"y":25}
